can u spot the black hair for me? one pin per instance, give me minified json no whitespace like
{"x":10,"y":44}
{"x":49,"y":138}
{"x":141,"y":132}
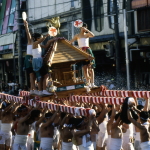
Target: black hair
{"x":117,"y":116}
{"x":21,"y":108}
{"x":109,"y":106}
{"x":84,"y":25}
{"x":63,"y":115}
{"x":36,"y":36}
{"x":123,"y":115}
{"x":76,"y":122}
{"x":144,"y":115}
{"x":140,"y":107}
{"x":5,"y":105}
{"x":48,"y":115}
{"x":35,"y":113}
{"x":109,"y":113}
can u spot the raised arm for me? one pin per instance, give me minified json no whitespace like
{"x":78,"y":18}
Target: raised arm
{"x":85,"y":131}
{"x":138,"y":125}
{"x":40,"y":120}
{"x":1,"y":104}
{"x":110,"y":122}
{"x":42,"y":39}
{"x":63,"y":121}
{"x":8,"y":108}
{"x":100,"y":118}
{"x":89,"y":33}
{"x":29,"y":37}
{"x":116,"y":123}
{"x":15,"y":108}
{"x":50,"y":121}
{"x":26,"y":117}
{"x":48,"y":44}
{"x":95,"y":127}
{"x":146,"y":107}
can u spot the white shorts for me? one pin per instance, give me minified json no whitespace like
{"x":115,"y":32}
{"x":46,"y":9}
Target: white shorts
{"x":102,"y":139}
{"x":115,"y":144}
{"x":137,"y":145}
{"x":20,"y":142}
{"x":6,"y":138}
{"x":46,"y":143}
{"x":67,"y":146}
{"x":30,"y":143}
{"x":127,"y":145}
{"x":56,"y":140}
{"x":17,"y":146}
{"x":80,"y":147}
{"x":145,"y":145}
{"x":108,"y":142}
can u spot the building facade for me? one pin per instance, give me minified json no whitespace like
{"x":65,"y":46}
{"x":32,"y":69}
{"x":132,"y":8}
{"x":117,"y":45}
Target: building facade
{"x":100,"y":17}
{"x":12,"y":41}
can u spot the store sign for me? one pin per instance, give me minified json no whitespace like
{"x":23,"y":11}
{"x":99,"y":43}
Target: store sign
{"x":72,"y":87}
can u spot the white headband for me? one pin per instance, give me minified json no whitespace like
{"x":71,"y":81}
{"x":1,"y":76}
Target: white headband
{"x":131,"y":100}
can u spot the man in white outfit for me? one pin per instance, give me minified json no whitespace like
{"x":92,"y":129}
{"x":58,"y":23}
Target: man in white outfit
{"x":114,"y":128}
{"x":143,"y":126}
{"x":127,"y":136}
{"x":47,"y":130}
{"x":81,"y":134}
{"x":20,"y":141}
{"x":6,"y":125}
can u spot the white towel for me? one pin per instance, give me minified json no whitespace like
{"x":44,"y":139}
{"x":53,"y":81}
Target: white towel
{"x":6,"y":127}
{"x":91,"y":147}
{"x":86,"y":140}
{"x":46,"y":143}
{"x":115,"y":144}
{"x":67,"y":146}
{"x":108,"y":142}
{"x":21,"y":139}
{"x":145,"y":145}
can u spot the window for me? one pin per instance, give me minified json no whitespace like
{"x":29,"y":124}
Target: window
{"x":98,"y":15}
{"x":72,"y":3}
{"x":111,"y":11}
{"x":143,"y":19}
{"x":87,"y":13}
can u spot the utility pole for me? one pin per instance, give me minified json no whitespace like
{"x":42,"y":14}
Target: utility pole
{"x":126,"y":49}
{"x":20,"y":66}
{"x":117,"y":42}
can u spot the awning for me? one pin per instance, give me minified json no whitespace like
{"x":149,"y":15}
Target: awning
{"x":7,"y":39}
{"x":140,"y":3}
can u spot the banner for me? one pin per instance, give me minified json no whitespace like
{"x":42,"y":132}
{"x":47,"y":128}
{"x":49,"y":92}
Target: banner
{"x":2,"y":12}
{"x":12,"y":15}
{"x":5,"y":22}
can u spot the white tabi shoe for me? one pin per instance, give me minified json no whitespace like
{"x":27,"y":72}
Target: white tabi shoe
{"x":35,"y":92}
{"x":31,"y":92}
{"x":40,"y":93}
{"x":93,"y":86}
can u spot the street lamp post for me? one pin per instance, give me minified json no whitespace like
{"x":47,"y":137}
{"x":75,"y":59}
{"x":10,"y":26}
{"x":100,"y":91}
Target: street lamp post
{"x":13,"y":52}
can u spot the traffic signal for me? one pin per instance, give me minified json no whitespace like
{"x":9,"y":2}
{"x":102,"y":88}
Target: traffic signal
{"x":109,"y":48}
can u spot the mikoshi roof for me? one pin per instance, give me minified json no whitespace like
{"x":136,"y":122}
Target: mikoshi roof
{"x":61,"y":51}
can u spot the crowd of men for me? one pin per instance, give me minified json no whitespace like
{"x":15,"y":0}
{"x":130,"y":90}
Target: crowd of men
{"x":108,"y":127}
